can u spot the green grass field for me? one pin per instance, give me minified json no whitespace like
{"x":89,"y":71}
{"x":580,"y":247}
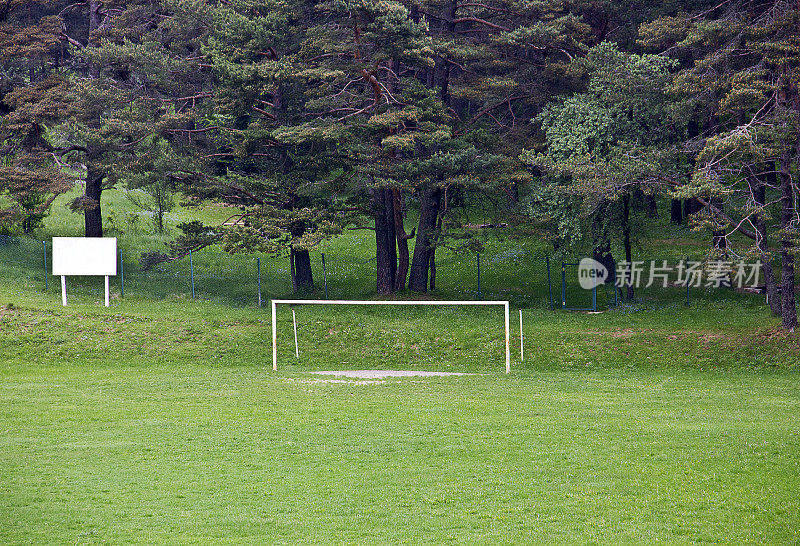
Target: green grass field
{"x":160,"y":420}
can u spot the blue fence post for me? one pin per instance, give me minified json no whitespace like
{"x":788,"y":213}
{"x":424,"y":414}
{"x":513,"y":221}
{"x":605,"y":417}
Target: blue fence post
{"x":191,"y":271}
{"x":325,"y":275}
{"x":478,"y":257}
{"x":121,"y":275}
{"x":44,"y":246}
{"x":549,"y":283}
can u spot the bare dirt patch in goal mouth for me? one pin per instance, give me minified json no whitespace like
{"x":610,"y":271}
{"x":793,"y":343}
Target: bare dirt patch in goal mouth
{"x":380,"y":374}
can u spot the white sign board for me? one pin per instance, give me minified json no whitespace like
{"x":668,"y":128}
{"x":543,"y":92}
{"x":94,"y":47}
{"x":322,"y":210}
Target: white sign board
{"x":85,"y":256}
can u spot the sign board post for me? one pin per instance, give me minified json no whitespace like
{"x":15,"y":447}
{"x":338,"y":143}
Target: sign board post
{"x":93,"y":256}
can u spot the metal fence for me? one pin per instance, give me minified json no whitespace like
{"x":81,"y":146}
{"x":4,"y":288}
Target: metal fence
{"x":524,"y":275}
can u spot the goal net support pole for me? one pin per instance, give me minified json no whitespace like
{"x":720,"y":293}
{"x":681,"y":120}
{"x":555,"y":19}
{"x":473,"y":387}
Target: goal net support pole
{"x":275,"y":304}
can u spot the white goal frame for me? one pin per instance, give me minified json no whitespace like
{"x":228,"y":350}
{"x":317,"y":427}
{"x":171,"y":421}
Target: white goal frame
{"x":275,"y":304}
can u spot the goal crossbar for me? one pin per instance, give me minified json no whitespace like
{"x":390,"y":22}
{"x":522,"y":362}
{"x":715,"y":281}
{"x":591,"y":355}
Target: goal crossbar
{"x":275,"y":304}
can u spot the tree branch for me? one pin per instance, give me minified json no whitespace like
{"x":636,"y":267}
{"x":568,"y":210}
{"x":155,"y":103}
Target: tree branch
{"x":65,"y":151}
{"x":739,"y":227}
{"x":480,"y":21}
{"x":72,"y":41}
{"x":270,"y":115}
{"x":485,"y":6}
{"x":495,"y":106}
{"x":245,"y":193}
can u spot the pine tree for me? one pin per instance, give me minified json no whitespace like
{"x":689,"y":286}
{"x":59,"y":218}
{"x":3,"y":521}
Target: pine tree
{"x":607,"y":145}
{"x":32,"y":95}
{"x":741,"y":85}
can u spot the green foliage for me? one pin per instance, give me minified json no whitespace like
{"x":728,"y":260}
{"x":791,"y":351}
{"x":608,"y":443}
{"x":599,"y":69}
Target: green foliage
{"x":195,"y":235}
{"x":602,"y":144}
{"x":737,"y":87}
{"x":297,"y":113}
{"x":148,"y":178}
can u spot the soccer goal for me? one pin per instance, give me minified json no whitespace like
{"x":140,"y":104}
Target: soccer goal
{"x":275,"y":304}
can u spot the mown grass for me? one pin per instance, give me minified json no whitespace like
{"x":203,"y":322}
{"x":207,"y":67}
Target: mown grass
{"x":164,"y":423}
{"x":160,"y":419}
{"x":142,"y":449}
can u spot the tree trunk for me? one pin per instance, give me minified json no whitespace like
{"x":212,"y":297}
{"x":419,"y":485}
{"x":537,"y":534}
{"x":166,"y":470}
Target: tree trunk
{"x":626,"y":235}
{"x":402,"y":241}
{"x":433,"y":270}
{"x":440,"y":220}
{"x":414,"y":13}
{"x":512,"y":195}
{"x":449,"y":15}
{"x":420,"y":263}
{"x":391,"y":237}
{"x":676,"y":212}
{"x":93,"y":217}
{"x":300,"y":261}
{"x":291,"y":270}
{"x":718,"y":236}
{"x":788,"y":309}
{"x":758,"y":191}
{"x":94,"y":15}
{"x":94,"y":23}
{"x":602,"y":254}
{"x":601,"y":251}
{"x":652,"y":206}
{"x":791,"y":96}
{"x":301,"y":268}
{"x":383,"y":255}
{"x":691,"y":206}
{"x":718,"y":240}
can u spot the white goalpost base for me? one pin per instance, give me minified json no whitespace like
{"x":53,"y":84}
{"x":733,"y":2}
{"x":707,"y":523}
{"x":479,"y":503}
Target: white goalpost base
{"x":275,"y":303}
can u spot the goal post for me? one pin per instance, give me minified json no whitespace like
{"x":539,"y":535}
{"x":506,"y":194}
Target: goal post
{"x":275,"y":304}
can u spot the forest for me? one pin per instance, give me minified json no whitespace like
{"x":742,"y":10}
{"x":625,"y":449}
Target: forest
{"x":575,"y":118}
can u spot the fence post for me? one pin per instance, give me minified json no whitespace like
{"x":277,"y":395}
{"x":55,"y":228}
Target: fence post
{"x":44,"y":246}
{"x":478,"y":256}
{"x":563,"y":285}
{"x":294,"y":324}
{"x":325,"y":275}
{"x":191,"y":271}
{"x":687,"y":284}
{"x":549,"y":283}
{"x":121,"y":275}
{"x":258,"y":267}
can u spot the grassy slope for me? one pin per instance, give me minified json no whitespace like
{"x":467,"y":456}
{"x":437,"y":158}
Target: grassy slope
{"x":159,"y":420}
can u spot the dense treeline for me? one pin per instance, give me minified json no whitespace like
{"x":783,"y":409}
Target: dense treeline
{"x":314,"y":117}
